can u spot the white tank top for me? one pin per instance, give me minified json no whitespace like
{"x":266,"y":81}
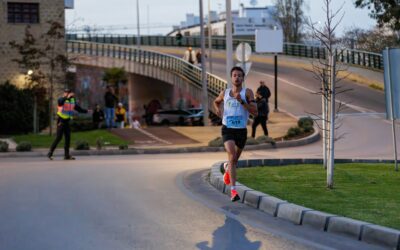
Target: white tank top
{"x":235,"y":115}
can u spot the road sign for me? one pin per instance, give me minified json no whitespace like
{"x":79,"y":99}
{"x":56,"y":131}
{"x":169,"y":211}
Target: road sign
{"x":245,"y":66}
{"x":391,"y":60}
{"x":243,"y":52}
{"x":269,"y":41}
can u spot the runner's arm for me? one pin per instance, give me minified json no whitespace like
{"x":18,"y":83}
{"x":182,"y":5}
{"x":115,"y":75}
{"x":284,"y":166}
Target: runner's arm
{"x":217,"y":103}
{"x":250,"y":103}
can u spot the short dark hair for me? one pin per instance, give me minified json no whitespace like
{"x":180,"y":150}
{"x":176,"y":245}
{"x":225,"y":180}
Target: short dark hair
{"x":238,"y":69}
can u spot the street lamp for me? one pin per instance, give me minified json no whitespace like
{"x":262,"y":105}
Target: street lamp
{"x":203,"y":67}
{"x":229,"y":49}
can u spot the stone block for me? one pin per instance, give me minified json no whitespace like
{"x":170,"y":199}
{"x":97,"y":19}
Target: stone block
{"x":242,"y":191}
{"x":292,"y":212}
{"x":346,"y":226}
{"x":255,"y":163}
{"x":270,"y":204}
{"x":317,"y":219}
{"x":253,"y":198}
{"x":384,"y":236}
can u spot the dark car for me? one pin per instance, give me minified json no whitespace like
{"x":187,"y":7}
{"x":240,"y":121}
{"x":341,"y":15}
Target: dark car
{"x":171,"y":117}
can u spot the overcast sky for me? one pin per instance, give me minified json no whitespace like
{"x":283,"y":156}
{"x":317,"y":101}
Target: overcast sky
{"x":160,"y":15}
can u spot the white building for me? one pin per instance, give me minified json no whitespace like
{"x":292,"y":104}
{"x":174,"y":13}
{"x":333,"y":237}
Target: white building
{"x":244,"y":22}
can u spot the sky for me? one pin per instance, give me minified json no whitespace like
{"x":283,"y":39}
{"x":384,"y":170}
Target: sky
{"x":158,"y":16}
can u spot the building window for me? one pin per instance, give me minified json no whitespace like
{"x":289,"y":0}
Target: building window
{"x":23,"y":12}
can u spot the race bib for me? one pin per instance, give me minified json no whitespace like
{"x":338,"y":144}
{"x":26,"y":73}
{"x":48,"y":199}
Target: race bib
{"x":235,"y":122}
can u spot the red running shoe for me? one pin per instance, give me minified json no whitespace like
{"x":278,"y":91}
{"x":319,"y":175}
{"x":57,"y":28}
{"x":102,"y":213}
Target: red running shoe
{"x":227,"y":178}
{"x":234,"y":196}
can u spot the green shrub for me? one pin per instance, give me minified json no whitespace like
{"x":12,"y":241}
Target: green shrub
{"x":82,"y":145}
{"x":251,"y":141}
{"x":3,"y":146}
{"x":217,"y":142}
{"x":99,"y":143}
{"x":81,"y":124}
{"x":24,"y":146}
{"x":305,"y":122}
{"x":16,"y":107}
{"x":265,"y":139}
{"x":293,"y":131}
{"x":308,"y":129}
{"x":123,"y":146}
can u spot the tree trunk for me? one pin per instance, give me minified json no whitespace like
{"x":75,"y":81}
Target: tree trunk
{"x":331,"y":162}
{"x":35,"y":116}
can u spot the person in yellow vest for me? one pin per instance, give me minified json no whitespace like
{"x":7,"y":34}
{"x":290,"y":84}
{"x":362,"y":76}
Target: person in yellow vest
{"x":120,"y":116}
{"x":66,"y":107}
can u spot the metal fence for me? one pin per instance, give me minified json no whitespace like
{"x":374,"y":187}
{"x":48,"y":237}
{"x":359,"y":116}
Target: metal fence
{"x":364,"y":59}
{"x":187,"y":71}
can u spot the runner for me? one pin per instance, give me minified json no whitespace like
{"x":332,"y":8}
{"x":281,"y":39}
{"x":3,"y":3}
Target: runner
{"x":238,"y":103}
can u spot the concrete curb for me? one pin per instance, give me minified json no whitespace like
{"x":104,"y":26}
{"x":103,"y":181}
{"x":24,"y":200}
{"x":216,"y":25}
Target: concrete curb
{"x":202,"y":149}
{"x":299,"y":215}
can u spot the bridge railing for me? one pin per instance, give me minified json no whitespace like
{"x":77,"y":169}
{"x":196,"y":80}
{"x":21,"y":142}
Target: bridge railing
{"x":364,"y":59}
{"x":175,"y":65}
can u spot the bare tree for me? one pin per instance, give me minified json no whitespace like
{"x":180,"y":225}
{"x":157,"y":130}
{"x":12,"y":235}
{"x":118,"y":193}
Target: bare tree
{"x":326,"y":71}
{"x":290,"y":14}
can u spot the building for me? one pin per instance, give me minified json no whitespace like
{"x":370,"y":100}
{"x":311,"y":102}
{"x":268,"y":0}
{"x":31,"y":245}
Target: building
{"x":244,"y":22}
{"x":15,"y":16}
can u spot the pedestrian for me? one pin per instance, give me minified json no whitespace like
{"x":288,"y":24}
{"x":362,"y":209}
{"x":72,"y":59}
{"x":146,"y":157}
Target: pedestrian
{"x":65,"y":109}
{"x":110,"y":100}
{"x":190,"y":56}
{"x":264,"y":90}
{"x":178,"y":38}
{"x":97,"y":117}
{"x":262,"y":114}
{"x":238,"y":102}
{"x":152,"y":109}
{"x":120,"y":115}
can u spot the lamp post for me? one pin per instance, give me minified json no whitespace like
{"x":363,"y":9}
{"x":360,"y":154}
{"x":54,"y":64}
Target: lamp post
{"x":35,"y":129}
{"x":209,"y":37}
{"x":203,"y":67}
{"x":229,"y":49}
{"x":138,"y":25}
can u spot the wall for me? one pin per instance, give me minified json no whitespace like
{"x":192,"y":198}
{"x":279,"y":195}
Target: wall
{"x":48,"y":10}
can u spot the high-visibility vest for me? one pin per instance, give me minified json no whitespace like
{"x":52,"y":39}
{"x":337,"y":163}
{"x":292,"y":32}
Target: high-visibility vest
{"x":66,"y":111}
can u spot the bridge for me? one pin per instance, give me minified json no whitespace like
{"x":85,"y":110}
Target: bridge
{"x":172,"y":78}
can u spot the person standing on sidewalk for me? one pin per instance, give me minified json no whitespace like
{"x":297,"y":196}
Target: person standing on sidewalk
{"x":110,"y":100}
{"x":238,"y":102}
{"x":66,"y":107}
{"x":262,"y":115}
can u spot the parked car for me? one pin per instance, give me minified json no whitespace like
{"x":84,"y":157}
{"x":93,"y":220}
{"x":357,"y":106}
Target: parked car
{"x":196,"y":119}
{"x":171,"y":117}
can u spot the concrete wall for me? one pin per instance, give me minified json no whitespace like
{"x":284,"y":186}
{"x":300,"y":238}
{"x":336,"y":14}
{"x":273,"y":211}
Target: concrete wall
{"x":49,"y":10}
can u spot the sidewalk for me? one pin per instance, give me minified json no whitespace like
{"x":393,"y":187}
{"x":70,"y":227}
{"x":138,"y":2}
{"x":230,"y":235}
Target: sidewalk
{"x":183,"y":140}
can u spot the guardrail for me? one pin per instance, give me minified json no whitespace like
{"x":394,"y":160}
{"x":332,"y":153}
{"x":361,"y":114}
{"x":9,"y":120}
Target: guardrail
{"x":373,"y":61}
{"x":173,"y":64}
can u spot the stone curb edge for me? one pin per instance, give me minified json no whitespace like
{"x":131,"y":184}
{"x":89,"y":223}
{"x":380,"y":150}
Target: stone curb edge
{"x":202,"y":149}
{"x":299,"y":215}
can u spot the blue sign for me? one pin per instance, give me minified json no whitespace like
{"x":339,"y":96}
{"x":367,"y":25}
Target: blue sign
{"x":391,"y":60}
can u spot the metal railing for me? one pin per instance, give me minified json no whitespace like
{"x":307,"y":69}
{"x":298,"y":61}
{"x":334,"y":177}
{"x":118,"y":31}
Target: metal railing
{"x":364,"y":59}
{"x":175,"y":65}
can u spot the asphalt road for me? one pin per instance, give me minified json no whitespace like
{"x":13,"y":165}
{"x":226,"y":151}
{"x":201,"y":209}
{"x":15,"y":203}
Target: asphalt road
{"x":136,"y":202}
{"x":163,"y":201}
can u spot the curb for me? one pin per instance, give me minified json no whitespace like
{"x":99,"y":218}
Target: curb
{"x":299,"y":215}
{"x":201,"y":149}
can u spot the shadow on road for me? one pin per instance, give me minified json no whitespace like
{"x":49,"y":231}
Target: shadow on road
{"x":231,"y":235}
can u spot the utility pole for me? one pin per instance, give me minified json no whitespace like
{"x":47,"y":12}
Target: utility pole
{"x":203,"y":67}
{"x":209,"y":37}
{"x":138,"y":25}
{"x":229,"y":49}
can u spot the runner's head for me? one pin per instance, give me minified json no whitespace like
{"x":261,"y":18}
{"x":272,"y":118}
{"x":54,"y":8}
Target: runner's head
{"x":237,"y":75}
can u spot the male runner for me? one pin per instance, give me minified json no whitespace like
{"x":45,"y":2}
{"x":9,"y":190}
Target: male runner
{"x":238,"y":103}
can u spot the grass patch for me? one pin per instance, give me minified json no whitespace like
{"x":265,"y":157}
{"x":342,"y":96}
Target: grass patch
{"x":362,"y":191}
{"x":376,"y":86}
{"x":45,"y":141}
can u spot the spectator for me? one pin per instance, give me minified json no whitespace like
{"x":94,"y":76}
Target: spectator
{"x":264,"y":90}
{"x":98,"y":117}
{"x":110,"y":100}
{"x":152,"y":108}
{"x":120,"y":115}
{"x":262,"y":114}
{"x":178,"y":38}
{"x":190,"y":56}
{"x":135,"y":123}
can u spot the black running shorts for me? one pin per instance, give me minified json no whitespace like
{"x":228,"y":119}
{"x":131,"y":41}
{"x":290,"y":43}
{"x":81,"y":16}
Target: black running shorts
{"x":239,"y":135}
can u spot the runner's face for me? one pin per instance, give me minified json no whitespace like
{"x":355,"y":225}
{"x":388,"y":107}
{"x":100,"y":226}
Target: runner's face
{"x":237,"y":77}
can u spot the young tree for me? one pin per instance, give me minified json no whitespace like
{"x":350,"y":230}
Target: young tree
{"x":115,"y":77}
{"x":386,"y":12}
{"x":326,"y":71}
{"x":290,"y":13}
{"x":30,"y":61}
